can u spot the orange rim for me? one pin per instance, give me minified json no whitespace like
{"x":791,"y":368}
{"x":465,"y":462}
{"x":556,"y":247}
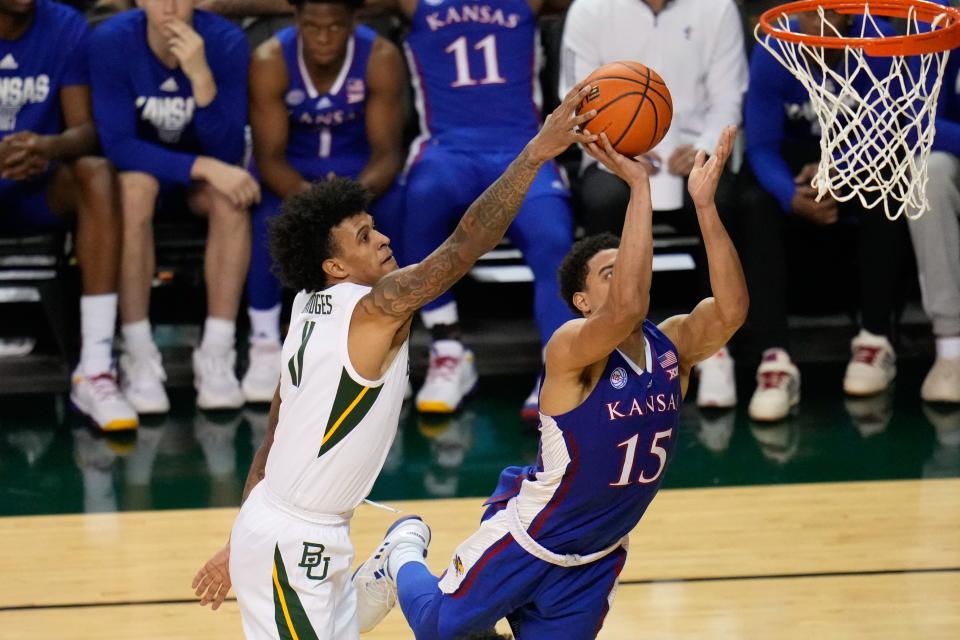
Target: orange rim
{"x":944,"y":38}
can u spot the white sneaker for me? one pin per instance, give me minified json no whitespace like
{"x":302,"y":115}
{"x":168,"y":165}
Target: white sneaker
{"x":451,"y":376}
{"x":718,"y":387}
{"x":778,"y":387}
{"x":872,"y":366}
{"x":215,"y":380}
{"x":100,"y":399}
{"x":942,"y":383}
{"x":374,"y":582}
{"x":142,"y":378}
{"x":260,"y":381}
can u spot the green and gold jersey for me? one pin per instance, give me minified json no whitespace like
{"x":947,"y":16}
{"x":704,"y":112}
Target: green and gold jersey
{"x":335,"y":427}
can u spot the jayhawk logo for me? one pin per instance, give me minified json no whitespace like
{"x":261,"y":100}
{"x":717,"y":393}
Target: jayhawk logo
{"x":458,"y":565}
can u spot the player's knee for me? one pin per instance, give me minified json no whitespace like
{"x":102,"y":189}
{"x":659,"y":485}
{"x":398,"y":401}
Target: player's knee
{"x":138,"y":192}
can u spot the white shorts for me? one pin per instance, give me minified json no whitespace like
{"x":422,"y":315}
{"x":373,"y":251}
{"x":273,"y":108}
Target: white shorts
{"x":291,"y":572}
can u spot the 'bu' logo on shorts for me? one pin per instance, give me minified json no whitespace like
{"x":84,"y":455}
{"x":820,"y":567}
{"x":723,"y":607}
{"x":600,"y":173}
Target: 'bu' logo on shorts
{"x":618,"y":378}
{"x":312,"y":559}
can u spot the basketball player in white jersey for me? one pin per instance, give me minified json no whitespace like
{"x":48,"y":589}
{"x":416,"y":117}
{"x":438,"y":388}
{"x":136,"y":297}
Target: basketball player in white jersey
{"x":343,"y":377}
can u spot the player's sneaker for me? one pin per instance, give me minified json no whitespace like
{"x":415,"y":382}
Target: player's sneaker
{"x":375,"y":583}
{"x":778,"y":387}
{"x":451,"y":376}
{"x":141,"y":378}
{"x":215,"y":380}
{"x":872,"y":366}
{"x":531,"y":406}
{"x":942,"y":383}
{"x":100,"y":399}
{"x":718,"y":387}
{"x":260,"y":381}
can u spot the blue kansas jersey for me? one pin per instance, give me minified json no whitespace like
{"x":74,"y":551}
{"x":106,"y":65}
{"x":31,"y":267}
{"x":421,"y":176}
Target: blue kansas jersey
{"x":33,"y":70}
{"x":602,"y":463}
{"x":145,"y":112}
{"x":474,"y":68}
{"x":328,"y":131}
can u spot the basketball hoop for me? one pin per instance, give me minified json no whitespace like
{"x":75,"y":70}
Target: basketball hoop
{"x":876,"y":129}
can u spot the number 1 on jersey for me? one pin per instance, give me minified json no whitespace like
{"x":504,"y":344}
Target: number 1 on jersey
{"x":326,"y":139}
{"x":489,"y":47}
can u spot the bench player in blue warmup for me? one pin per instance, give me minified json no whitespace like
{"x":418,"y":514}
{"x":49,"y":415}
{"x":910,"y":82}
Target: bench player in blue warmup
{"x":474,"y":72}
{"x":554,"y":536}
{"x":47,"y":173}
{"x":170,"y":104}
{"x":326,"y":98}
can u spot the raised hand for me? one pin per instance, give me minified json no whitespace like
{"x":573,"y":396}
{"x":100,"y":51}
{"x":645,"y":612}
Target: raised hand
{"x":705,"y":175}
{"x":562,"y":128}
{"x":633,"y":172}
{"x":212,"y":582}
{"x":187,"y":45}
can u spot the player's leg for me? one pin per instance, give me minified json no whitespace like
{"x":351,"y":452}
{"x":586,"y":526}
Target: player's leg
{"x":264,"y":294}
{"x":141,"y":370}
{"x":571,"y":603}
{"x":880,"y":241}
{"x":439,"y":187}
{"x":87,"y":188}
{"x":226,"y":262}
{"x":936,"y":242}
{"x":494,"y":576}
{"x":762,"y":252}
{"x":543,"y":232}
{"x":291,"y":577}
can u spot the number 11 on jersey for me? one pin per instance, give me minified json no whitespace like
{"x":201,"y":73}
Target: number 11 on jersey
{"x":489,"y":47}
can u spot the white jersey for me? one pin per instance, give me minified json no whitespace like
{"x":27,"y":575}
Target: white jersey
{"x":335,"y":427}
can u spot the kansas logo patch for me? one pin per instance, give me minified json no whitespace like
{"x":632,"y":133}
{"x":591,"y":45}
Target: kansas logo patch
{"x":618,"y":378}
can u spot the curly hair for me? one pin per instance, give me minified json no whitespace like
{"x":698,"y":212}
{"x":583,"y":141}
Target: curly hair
{"x":351,"y":5}
{"x":300,"y":237}
{"x":573,"y":269}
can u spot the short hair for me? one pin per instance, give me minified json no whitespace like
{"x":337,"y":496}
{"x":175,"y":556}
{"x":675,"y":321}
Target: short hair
{"x":300,"y":237}
{"x":573,"y":269}
{"x":351,"y":5}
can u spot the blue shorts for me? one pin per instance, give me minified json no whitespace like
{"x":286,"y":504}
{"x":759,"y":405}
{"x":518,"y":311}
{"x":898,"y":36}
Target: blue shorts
{"x":24,"y":208}
{"x":491,"y":577}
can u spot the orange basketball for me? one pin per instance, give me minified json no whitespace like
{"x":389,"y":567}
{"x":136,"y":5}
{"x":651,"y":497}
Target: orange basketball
{"x":633,"y":104}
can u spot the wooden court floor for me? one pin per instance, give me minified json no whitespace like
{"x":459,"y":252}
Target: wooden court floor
{"x":870,"y":560}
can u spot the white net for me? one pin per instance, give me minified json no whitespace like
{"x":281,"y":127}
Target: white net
{"x":876,"y":113}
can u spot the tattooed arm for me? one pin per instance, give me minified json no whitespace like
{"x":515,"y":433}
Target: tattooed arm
{"x":398,"y":295}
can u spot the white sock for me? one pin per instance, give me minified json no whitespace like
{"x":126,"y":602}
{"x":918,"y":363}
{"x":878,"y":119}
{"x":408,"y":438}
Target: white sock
{"x":98,"y":320}
{"x":401,"y":555}
{"x":948,"y":347}
{"x":265,"y":325}
{"x":219,"y":335}
{"x":138,"y":338}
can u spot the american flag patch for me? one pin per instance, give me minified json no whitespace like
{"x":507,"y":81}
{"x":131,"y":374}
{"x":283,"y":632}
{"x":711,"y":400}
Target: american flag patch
{"x":356,"y":91}
{"x":667,"y":359}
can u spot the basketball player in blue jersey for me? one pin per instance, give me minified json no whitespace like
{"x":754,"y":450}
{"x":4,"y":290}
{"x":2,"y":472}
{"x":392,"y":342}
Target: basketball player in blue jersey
{"x":170,"y":104}
{"x":474,"y":69}
{"x":554,"y":537}
{"x":48,"y":175}
{"x":326,"y":99}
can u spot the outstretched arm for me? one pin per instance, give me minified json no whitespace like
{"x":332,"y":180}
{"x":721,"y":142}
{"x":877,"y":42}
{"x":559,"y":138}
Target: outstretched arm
{"x":580,"y":343}
{"x":713,"y":321}
{"x":401,"y":293}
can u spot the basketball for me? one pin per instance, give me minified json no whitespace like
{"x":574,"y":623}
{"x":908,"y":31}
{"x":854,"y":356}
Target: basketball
{"x":633,"y":104}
